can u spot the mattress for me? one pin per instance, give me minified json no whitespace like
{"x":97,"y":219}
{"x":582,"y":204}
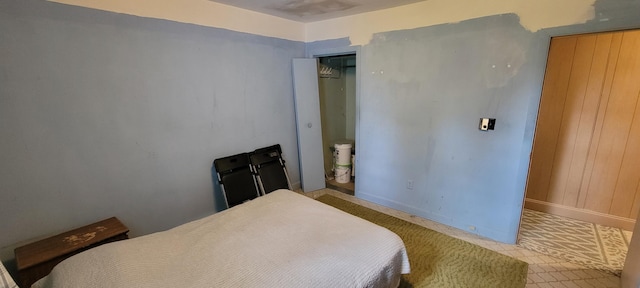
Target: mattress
{"x":282,"y":239}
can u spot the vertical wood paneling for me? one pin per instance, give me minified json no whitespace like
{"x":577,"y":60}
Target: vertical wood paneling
{"x":629,"y":176}
{"x":571,"y":114}
{"x":556,"y":81}
{"x":614,"y":51}
{"x":586,"y":152}
{"x":625,"y":192}
{"x":615,"y":130}
{"x":585,"y":130}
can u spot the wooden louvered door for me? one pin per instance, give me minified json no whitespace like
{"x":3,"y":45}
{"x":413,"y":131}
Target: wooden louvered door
{"x":585,"y":161}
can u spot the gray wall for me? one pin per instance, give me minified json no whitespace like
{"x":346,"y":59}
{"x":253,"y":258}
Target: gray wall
{"x":421,"y":94}
{"x":105,"y":114}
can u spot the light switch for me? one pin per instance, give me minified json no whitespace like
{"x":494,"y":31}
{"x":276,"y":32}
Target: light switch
{"x":487,"y":124}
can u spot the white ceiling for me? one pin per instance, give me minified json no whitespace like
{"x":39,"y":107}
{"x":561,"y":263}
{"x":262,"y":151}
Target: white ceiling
{"x":314,"y":10}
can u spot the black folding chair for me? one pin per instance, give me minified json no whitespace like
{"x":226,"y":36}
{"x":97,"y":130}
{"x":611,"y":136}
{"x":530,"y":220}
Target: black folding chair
{"x":271,"y":173}
{"x":236,"y":179}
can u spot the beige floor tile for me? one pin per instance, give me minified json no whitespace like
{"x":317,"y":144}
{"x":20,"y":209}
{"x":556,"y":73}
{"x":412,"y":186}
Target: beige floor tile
{"x":570,"y":275}
{"x":584,"y":284}
{"x":557,"y":285}
{"x":570,"y":284}
{"x":547,"y":277}
{"x":536,"y":278}
{"x":596,"y":274}
{"x":609,"y":281}
{"x":536,"y":268}
{"x":559,"y":276}
{"x":558,"y":266}
{"x":582,"y":274}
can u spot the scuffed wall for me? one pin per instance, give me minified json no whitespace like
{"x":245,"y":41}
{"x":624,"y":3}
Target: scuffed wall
{"x":533,"y":16}
{"x":421,"y":94}
{"x":105,"y":114}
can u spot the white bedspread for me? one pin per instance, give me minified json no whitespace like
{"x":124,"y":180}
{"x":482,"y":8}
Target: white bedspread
{"x":282,"y":239}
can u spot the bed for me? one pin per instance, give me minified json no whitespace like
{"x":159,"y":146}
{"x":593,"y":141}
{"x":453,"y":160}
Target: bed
{"x":282,"y":239}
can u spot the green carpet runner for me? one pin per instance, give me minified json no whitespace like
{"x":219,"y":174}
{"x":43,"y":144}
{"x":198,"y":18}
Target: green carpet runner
{"x":439,"y":260}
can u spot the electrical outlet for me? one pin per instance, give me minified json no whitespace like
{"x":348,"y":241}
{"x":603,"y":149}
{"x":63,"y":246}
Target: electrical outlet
{"x":410,"y":184}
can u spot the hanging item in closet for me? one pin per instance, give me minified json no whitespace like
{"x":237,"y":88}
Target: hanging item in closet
{"x":325,"y":71}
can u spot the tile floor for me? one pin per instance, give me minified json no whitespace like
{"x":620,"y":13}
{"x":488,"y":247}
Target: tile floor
{"x":544,"y":271}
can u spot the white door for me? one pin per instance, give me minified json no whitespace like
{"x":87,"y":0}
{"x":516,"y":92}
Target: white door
{"x":307,"y":105}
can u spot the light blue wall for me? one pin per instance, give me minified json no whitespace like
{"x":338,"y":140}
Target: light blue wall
{"x":421,"y":94}
{"x":105,"y":114}
{"x":419,"y":121}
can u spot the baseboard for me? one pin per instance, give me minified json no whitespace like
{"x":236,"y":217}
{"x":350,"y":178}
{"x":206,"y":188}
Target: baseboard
{"x":581,"y":214}
{"x":296,"y":186}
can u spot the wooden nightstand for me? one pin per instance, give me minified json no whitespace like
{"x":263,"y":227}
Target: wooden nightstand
{"x":36,"y":260}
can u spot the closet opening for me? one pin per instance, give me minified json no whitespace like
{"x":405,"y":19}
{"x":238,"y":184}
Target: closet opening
{"x":337,"y":92}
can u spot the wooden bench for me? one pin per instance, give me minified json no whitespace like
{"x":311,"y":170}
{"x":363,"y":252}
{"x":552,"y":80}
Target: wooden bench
{"x":36,"y":260}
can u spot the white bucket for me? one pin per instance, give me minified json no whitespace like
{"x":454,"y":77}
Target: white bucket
{"x":342,"y":163}
{"x":343,"y":174}
{"x":343,"y":154}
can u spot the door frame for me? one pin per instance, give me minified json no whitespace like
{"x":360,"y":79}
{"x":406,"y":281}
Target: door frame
{"x":534,"y":108}
{"x":548,"y":38}
{"x":338,"y":51}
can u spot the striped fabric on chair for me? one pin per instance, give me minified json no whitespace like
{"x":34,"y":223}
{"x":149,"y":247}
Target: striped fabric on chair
{"x":5,"y":279}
